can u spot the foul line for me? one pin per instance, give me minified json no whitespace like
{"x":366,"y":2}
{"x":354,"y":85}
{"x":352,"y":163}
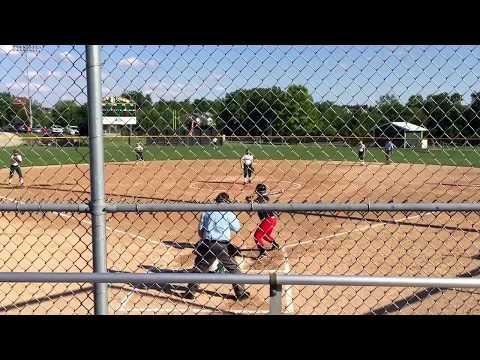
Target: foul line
{"x":125,"y":301}
{"x":129,"y":295}
{"x":286,"y":265}
{"x":290,"y":307}
{"x":197,"y":185}
{"x":360,"y":229}
{"x":89,"y":222}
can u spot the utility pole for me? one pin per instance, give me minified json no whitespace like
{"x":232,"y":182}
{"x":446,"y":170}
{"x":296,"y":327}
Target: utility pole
{"x":28,"y":49}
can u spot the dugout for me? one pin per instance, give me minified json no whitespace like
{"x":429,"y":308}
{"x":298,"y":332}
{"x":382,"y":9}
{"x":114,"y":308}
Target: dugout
{"x":403,"y":134}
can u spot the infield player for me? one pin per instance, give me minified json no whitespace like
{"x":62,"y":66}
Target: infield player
{"x":15,"y":162}
{"x":247,"y":163}
{"x":361,"y":152}
{"x":268,"y":221}
{"x":139,"y":152}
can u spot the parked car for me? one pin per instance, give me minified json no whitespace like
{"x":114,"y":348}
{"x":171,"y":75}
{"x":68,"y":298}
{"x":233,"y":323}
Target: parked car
{"x":9,"y":128}
{"x":40,"y":130}
{"x":72,"y":130}
{"x":22,"y":128}
{"x":56,"y":130}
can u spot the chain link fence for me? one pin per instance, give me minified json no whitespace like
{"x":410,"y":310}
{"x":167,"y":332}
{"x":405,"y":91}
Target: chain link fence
{"x":324,"y":124}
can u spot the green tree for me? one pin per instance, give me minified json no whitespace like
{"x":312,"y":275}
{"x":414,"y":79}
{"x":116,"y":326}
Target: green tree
{"x":68,"y":112}
{"x":391,"y":109}
{"x":472,"y":117}
{"x":7,"y":112}
{"x":254,"y":112}
{"x":415,"y":110}
{"x":445,"y":115}
{"x":203,"y":105}
{"x":141,"y":100}
{"x":300,"y":115}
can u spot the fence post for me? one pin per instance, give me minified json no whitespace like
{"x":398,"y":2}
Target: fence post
{"x":97,"y":190}
{"x":275,"y":296}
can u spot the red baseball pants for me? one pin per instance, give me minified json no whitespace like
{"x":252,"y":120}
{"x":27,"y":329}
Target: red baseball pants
{"x":264,"y":232}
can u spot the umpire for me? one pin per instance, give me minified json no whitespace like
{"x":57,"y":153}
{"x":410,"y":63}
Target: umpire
{"x":214,"y":230}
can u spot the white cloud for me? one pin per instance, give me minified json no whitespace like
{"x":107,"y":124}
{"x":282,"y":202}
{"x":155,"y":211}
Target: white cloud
{"x":218,"y":76}
{"x":65,"y":55}
{"x":41,"y":87}
{"x":344,"y":66}
{"x":31,"y":73}
{"x":131,"y":61}
{"x":21,"y":86}
{"x":9,"y":49}
{"x":54,"y":74}
{"x":16,"y":85}
{"x":152,"y":63}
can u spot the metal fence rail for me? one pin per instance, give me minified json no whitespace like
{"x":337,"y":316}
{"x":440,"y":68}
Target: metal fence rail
{"x":443,"y":282}
{"x":274,"y":281}
{"x":245,"y":207}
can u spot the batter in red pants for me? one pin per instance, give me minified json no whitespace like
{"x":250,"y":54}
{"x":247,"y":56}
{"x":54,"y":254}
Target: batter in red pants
{"x":263,"y":235}
{"x":268,"y":220}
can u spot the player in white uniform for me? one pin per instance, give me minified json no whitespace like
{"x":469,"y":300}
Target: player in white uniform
{"x":15,"y":162}
{"x":139,"y":152}
{"x":247,"y":162}
{"x":361,"y":152}
{"x":214,"y":142}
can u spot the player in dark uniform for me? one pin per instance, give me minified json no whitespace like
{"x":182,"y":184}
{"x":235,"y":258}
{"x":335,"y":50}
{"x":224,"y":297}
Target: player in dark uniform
{"x":268,"y":220}
{"x":389,"y":147}
{"x":215,"y":230}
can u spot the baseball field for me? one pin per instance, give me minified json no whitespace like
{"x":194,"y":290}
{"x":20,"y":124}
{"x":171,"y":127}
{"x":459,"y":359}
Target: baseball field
{"x":403,"y":244}
{"x":119,"y":150}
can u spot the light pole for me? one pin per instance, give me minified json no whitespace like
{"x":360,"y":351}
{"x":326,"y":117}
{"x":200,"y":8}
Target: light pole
{"x":26,"y":49}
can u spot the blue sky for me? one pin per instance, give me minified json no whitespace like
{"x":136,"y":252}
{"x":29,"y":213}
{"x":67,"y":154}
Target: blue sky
{"x":343,"y":74}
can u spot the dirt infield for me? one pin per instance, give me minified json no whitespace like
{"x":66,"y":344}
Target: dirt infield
{"x":413,"y":244}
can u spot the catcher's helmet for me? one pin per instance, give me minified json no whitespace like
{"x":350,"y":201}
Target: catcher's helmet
{"x":223,"y":197}
{"x":261,"y":189}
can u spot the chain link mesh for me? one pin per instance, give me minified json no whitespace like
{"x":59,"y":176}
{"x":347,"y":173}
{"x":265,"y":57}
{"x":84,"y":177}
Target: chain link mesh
{"x":303,"y":112}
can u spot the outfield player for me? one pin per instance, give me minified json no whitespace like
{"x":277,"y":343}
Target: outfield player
{"x":361,"y":152}
{"x":268,"y":221}
{"x":247,"y":162}
{"x":214,"y":143}
{"x":389,"y":147}
{"x":15,"y":162}
{"x":139,"y":152}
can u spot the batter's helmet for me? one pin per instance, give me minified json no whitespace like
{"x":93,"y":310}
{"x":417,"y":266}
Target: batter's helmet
{"x":261,"y":189}
{"x":223,"y":197}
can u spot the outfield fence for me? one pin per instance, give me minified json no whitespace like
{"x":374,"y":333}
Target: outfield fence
{"x":102,"y":228}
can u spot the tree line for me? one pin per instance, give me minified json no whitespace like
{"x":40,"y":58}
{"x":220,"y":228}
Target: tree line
{"x":273,"y":111}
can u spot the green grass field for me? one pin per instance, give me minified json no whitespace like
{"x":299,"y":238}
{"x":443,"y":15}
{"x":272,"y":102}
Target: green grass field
{"x":121,"y":151}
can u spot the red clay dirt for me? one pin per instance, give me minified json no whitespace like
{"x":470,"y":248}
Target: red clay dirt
{"x":414,"y":244}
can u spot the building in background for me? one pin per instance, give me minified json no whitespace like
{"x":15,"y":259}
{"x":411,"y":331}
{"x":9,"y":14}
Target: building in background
{"x":403,"y":134}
